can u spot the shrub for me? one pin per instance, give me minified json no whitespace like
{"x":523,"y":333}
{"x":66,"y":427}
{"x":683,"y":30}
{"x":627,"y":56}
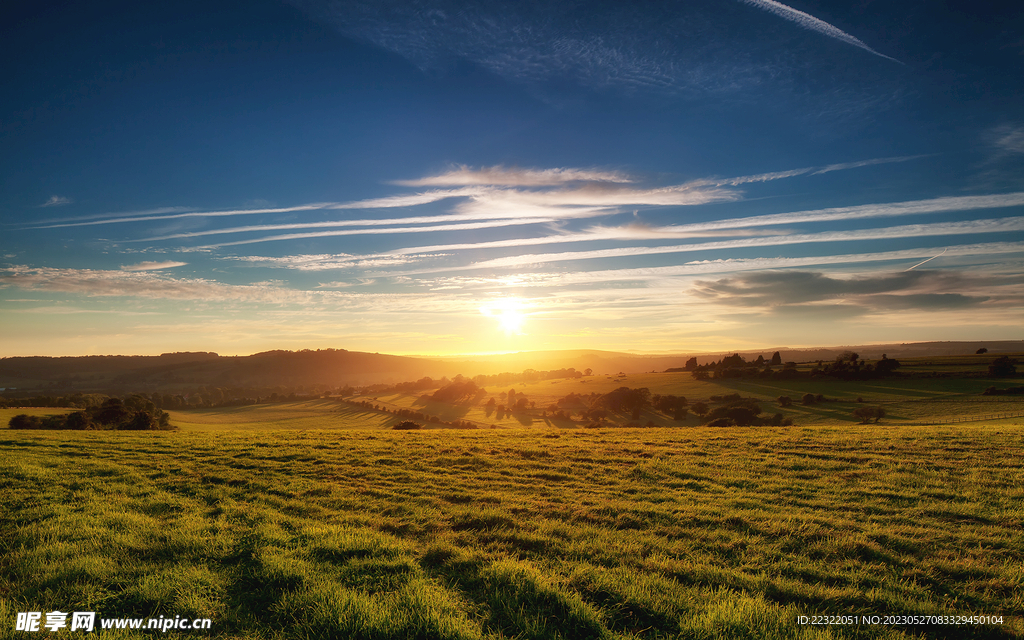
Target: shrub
{"x":1002,"y":367}
{"x":407,"y":425}
{"x":866,"y":414}
{"x":808,"y":398}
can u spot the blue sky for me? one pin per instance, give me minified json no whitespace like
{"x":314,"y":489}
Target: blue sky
{"x":450,"y":177}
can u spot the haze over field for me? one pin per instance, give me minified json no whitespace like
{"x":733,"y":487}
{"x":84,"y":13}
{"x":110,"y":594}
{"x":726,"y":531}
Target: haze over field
{"x":441,"y":178}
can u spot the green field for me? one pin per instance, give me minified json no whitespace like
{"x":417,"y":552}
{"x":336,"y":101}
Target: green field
{"x":532,"y":533}
{"x":316,"y":520}
{"x":906,"y":400}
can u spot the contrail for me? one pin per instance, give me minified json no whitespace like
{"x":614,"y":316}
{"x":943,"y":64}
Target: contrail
{"x":923,"y":261}
{"x":808,"y":21}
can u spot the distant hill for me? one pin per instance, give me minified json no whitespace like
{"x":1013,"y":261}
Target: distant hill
{"x":169,"y":371}
{"x":614,"y":362}
{"x":337,"y":367}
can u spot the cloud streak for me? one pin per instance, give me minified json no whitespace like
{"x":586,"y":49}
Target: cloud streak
{"x":56,"y":201}
{"x":515,"y":177}
{"x":807,"y":21}
{"x":153,"y":266}
{"x":999,"y":225}
{"x":925,"y":290}
{"x":725,"y":265}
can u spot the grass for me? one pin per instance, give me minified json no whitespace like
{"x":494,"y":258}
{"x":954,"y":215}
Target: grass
{"x":906,"y":400}
{"x":526,"y":533}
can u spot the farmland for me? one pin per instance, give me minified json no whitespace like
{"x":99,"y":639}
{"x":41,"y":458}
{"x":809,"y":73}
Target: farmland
{"x":316,"y":520}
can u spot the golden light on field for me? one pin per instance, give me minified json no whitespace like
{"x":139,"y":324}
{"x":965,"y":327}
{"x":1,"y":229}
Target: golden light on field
{"x":509,"y":314}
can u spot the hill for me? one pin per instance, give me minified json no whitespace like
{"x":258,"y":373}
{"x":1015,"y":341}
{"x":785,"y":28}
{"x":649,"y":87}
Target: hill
{"x":173,"y":372}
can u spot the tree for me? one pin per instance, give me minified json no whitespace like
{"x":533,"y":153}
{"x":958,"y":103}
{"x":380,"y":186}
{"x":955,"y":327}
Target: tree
{"x":776,"y":358}
{"x":785,"y":401}
{"x":866,"y":414}
{"x":691,"y":364}
{"x":25,"y":421}
{"x":1002,"y":367}
{"x":886,"y":365}
{"x":981,"y":351}
{"x":79,"y":420}
{"x":588,"y":372}
{"x":700,"y":408}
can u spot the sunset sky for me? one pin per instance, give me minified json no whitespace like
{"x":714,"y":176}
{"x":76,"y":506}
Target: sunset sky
{"x":438,"y":177}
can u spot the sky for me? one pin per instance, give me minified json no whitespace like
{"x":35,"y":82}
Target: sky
{"x":437,"y":177}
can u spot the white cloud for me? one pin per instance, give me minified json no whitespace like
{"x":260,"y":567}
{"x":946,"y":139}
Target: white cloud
{"x":808,"y":21}
{"x":1000,"y":225}
{"x":717,"y":227}
{"x":146,"y":217}
{"x":56,"y":201}
{"x":152,"y":266}
{"x":554,"y":279}
{"x":327,"y":262}
{"x":515,"y":177}
{"x":1009,"y":138}
{"x":387,"y":231}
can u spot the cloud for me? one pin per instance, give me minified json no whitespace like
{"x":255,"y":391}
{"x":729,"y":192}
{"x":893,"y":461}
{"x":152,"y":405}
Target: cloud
{"x":808,"y":21}
{"x":496,"y":193}
{"x":921,"y":290}
{"x":515,"y":177}
{"x":56,"y":201}
{"x":410,"y":200}
{"x":152,"y":266}
{"x":147,"y":217}
{"x":144,"y":284}
{"x":983,"y":251}
{"x":114,"y":217}
{"x":328,"y":262}
{"x":1008,"y":138}
{"x":386,"y":231}
{"x":864,"y":163}
{"x":998,"y":225}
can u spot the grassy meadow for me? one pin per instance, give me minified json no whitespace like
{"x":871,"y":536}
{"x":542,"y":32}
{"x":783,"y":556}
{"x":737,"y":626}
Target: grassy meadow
{"x":316,"y":520}
{"x":905,"y":400}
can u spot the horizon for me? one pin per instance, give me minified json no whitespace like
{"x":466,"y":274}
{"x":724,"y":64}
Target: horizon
{"x":481,"y":179}
{"x":537,"y":353}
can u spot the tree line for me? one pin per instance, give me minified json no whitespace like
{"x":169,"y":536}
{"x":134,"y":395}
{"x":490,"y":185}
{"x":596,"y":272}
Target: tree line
{"x":112,"y":414}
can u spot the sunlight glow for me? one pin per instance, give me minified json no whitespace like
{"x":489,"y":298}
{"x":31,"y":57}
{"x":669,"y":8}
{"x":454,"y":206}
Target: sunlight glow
{"x":509,"y":313}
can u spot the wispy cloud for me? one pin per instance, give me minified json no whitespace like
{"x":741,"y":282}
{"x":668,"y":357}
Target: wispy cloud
{"x":716,"y":227}
{"x":144,"y":284}
{"x":808,"y":21}
{"x":56,"y":201}
{"x":153,"y":266}
{"x":148,"y":217}
{"x":488,"y":193}
{"x":327,"y":262}
{"x":926,"y":290}
{"x":118,"y":215}
{"x":515,"y":177}
{"x":559,"y":279}
{"x":1009,"y":138}
{"x":386,"y":231}
{"x":864,"y":163}
{"x":1000,"y":225}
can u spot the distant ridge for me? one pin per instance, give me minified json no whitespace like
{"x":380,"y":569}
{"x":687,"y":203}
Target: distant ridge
{"x":338,"y":367}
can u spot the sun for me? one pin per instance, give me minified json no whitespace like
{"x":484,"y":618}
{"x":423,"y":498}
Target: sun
{"x":509,"y":314}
